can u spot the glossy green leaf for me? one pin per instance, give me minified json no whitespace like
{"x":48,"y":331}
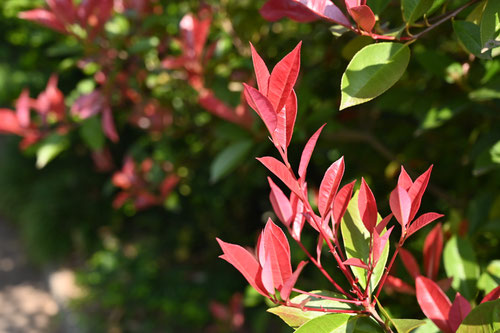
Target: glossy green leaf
{"x":407,"y":325}
{"x":460,"y":263}
{"x":228,"y":159}
{"x":363,"y":324}
{"x":490,"y":278}
{"x":331,"y":323}
{"x":485,"y":318}
{"x":296,"y":317}
{"x":490,"y":24}
{"x":469,"y":36}
{"x":372,"y":71}
{"x":91,"y":133}
{"x":415,"y":9}
{"x":357,"y":244}
{"x":50,"y":148}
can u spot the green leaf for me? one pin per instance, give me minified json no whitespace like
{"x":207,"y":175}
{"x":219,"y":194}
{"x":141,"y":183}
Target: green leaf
{"x":296,"y":317}
{"x":228,"y":159}
{"x":91,"y":133}
{"x":331,"y":323}
{"x":372,"y":71}
{"x":407,"y":325}
{"x":490,"y":278}
{"x":490,"y":24}
{"x":484,"y":318}
{"x":460,"y":264}
{"x":363,"y":324}
{"x":469,"y":36}
{"x":377,"y":6}
{"x":50,"y":148}
{"x":357,"y":244}
{"x":414,"y":9}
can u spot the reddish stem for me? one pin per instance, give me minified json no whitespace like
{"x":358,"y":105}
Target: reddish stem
{"x":388,"y":268}
{"x":329,"y":298}
{"x":319,"y":308}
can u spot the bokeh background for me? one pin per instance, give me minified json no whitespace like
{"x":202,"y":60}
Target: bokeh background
{"x":155,"y":267}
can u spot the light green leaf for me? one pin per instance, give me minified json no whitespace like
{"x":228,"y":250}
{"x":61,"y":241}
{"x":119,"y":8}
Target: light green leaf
{"x":460,"y":263}
{"x":50,"y":148}
{"x":485,"y":318}
{"x":331,"y":323}
{"x":372,"y":71}
{"x":357,"y":244}
{"x":91,"y":133}
{"x":296,"y":317}
{"x":490,"y":24}
{"x":407,"y":325}
{"x":490,"y":279}
{"x":469,"y":36}
{"x":414,"y":9}
{"x":228,"y":159}
{"x":495,"y":152}
{"x":428,"y":327}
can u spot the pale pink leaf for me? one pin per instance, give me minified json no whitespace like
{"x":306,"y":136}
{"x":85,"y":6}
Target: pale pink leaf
{"x":23,"y":108}
{"x":404,"y":179}
{"x":43,"y":17}
{"x":280,"y":203}
{"x":400,"y":203}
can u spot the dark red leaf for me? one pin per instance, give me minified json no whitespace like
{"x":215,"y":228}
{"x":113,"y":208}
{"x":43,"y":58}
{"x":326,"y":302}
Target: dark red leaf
{"x":367,"y":206}
{"x":433,"y":248}
{"x":422,"y":221}
{"x":398,"y":285}
{"x":492,"y":295}
{"x":356,"y":262}
{"x":400,"y":203}
{"x":341,"y":201}
{"x":417,"y":190}
{"x":261,"y":71}
{"x":382,"y":224}
{"x":458,"y":311}
{"x":307,"y":152}
{"x":433,"y":302}
{"x":262,"y":106}
{"x":245,"y":262}
{"x":108,"y":125}
{"x":291,"y":116}
{"x":283,"y":79}
{"x":329,"y":186}
{"x":290,"y":283}
{"x":282,"y":172}
{"x":409,"y":262}
{"x":9,"y":122}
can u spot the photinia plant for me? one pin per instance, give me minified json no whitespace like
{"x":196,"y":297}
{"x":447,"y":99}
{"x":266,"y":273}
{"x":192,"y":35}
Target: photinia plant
{"x":355,"y":234}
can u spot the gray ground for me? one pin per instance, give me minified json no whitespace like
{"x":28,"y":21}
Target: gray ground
{"x":26,"y":306}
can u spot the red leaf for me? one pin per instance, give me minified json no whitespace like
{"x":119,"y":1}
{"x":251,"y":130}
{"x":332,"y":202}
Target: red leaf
{"x":43,"y":17}
{"x":382,"y":224}
{"x":261,"y":71}
{"x":262,"y":106}
{"x":492,"y":295}
{"x":108,"y":125}
{"x":88,"y":105}
{"x":433,"y":302}
{"x":9,"y":122}
{"x":279,"y":134}
{"x":283,"y":79}
{"x":245,"y":262}
{"x":398,"y":285}
{"x":458,"y":311}
{"x":168,"y":184}
{"x":445,"y":284}
{"x":400,"y":203}
{"x":417,"y":190}
{"x":356,"y":262}
{"x":23,"y":108}
{"x":404,"y":180}
{"x":433,"y":247}
{"x":303,"y":11}
{"x":341,"y":202}
{"x":274,"y":247}
{"x":212,"y":104}
{"x":379,"y":243}
{"x":290,"y":282}
{"x":280,"y":204}
{"x":307,"y":152}
{"x":422,"y":221}
{"x":363,"y":16}
{"x":282,"y":172}
{"x":409,"y":262}
{"x":267,"y":275}
{"x":64,"y":10}
{"x":291,"y":116}
{"x":329,"y":186}
{"x":367,"y":206}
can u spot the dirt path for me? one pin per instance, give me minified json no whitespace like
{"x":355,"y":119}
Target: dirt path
{"x":25,"y":304}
